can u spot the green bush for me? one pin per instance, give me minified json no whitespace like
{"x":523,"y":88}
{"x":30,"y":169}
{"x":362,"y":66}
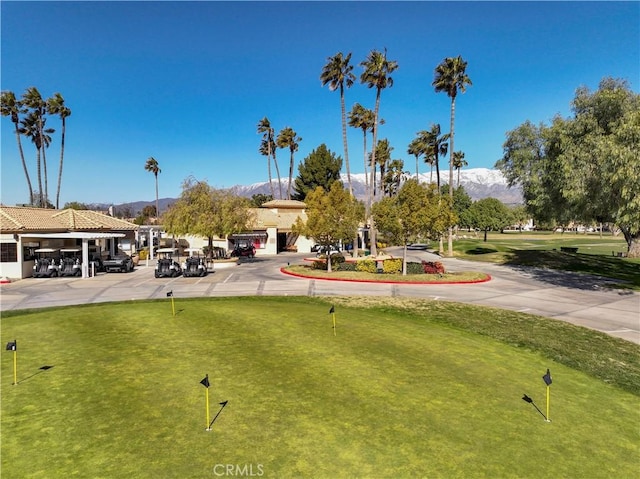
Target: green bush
{"x":415,"y":268}
{"x":392,"y":266}
{"x":346,"y":266}
{"x":367,"y":266}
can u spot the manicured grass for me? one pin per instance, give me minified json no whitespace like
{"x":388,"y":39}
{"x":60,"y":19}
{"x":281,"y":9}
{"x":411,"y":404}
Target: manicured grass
{"x":543,"y":250}
{"x":404,"y":389}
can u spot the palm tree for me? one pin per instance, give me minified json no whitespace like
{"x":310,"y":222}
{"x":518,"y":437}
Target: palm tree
{"x":377,"y":71}
{"x":459,"y":162}
{"x":288,"y":138}
{"x":417,"y":147}
{"x":13,"y":107}
{"x":152,"y":166}
{"x":436,"y":146}
{"x":361,"y":117}
{"x":32,"y":99}
{"x":337,"y":73}
{"x":267,"y":148}
{"x":451,"y":77}
{"x":383,"y":157}
{"x":56,"y":106}
{"x":32,"y":126}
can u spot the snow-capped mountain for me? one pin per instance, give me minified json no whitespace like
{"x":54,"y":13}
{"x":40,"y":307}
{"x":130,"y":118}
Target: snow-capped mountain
{"x":478,"y":183}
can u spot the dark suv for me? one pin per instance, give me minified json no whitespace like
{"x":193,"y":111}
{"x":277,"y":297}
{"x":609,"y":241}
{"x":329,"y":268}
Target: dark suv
{"x":244,"y":249}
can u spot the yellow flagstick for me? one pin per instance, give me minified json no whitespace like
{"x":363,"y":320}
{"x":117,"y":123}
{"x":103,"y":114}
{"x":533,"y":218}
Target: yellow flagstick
{"x":548,"y":394}
{"x":547,"y":380}
{"x":333,"y":316}
{"x":15,"y":366}
{"x":173,"y":306}
{"x":207,"y":399}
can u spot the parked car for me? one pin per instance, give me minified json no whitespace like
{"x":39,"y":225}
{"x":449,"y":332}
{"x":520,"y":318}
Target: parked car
{"x":71,"y":262}
{"x":166,"y":266}
{"x":330,"y":250}
{"x":195,"y":264}
{"x":244,"y":249}
{"x":120,"y":262}
{"x":46,"y":265}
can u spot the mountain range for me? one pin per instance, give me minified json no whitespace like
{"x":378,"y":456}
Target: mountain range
{"x":479,"y":183}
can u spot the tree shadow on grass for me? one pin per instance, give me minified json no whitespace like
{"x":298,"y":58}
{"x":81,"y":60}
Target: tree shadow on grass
{"x":575,"y":270}
{"x":480,"y":250}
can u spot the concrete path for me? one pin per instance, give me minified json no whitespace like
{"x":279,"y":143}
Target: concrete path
{"x":575,"y":298}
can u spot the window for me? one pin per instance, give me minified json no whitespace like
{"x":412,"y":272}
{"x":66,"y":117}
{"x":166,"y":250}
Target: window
{"x":8,"y":253}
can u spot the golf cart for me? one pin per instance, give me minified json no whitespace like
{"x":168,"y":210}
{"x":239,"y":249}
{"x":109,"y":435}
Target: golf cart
{"x":166,"y":266}
{"x":71,"y":262}
{"x":195,"y":264}
{"x":46,"y":266}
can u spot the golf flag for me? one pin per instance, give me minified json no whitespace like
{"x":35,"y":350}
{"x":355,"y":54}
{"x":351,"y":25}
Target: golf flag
{"x":332,"y":312}
{"x":205,"y":383}
{"x":547,"y":380}
{"x":173,"y":306}
{"x":13,"y":346}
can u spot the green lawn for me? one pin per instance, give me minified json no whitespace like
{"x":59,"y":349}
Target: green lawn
{"x":543,"y":250}
{"x":405,"y":389}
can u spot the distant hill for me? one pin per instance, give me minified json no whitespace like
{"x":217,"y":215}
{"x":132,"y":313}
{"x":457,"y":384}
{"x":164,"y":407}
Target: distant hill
{"x":478,"y":183}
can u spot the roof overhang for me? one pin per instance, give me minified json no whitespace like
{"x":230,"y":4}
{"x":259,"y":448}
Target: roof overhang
{"x":75,"y":235}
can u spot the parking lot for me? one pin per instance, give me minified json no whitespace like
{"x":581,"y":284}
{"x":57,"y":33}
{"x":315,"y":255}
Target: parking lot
{"x":578,"y":299}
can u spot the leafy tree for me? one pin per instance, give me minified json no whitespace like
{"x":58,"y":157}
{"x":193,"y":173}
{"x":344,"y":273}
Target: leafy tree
{"x":149,"y":211}
{"x":56,"y":106}
{"x":583,"y":167}
{"x":520,"y":216}
{"x":416,"y":211}
{"x":337,"y":73}
{"x":207,"y":212}
{"x":321,"y":168}
{"x":332,"y":216}
{"x":288,"y":138}
{"x":152,"y":166}
{"x":394,"y":176}
{"x":11,"y":106}
{"x":377,"y":74}
{"x":461,"y":204}
{"x":489,"y":214}
{"x":259,"y":199}
{"x":75,"y":205}
{"x":451,"y":77}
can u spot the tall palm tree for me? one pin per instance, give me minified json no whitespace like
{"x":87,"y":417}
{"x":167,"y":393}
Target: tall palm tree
{"x":152,"y":166}
{"x":459,"y":162}
{"x":337,"y":73}
{"x":417,"y":147}
{"x":288,"y":138}
{"x":32,"y":99}
{"x":451,"y":77}
{"x":436,"y":146}
{"x":56,"y":106}
{"x":376,"y":74}
{"x":383,"y":157}
{"x":361,"y":117}
{"x":267,"y":148}
{"x":12,"y":107}
{"x":32,"y":127}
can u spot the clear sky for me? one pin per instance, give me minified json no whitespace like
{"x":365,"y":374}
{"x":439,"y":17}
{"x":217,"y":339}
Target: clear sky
{"x":187,"y":82}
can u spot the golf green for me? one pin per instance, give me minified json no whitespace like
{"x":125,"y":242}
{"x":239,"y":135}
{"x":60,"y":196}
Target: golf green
{"x":391,"y":392}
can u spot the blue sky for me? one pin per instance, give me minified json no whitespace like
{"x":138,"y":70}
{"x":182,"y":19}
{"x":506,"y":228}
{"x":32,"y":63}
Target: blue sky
{"x":187,"y":82}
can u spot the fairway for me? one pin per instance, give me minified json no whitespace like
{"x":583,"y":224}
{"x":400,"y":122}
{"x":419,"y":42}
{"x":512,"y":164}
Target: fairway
{"x":396,"y":392}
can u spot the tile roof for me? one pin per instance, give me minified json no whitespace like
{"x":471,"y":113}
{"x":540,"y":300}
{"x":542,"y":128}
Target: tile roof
{"x":283,"y":220}
{"x":284,"y":204}
{"x":21,"y":219}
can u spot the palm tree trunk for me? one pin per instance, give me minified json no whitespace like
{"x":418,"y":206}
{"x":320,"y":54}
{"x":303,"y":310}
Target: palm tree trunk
{"x":24,"y":165}
{"x":157,"y":208}
{"x":275,"y":162}
{"x":372,"y":226}
{"x":344,"y":139}
{"x":431,"y":173}
{"x":458,"y":177}
{"x":269,"y":167}
{"x":61,"y":160}
{"x":417,"y":168}
{"x":290,"y":176}
{"x":39,"y":168}
{"x":451,"y":150}
{"x":46,"y":181}
{"x":366,"y":167}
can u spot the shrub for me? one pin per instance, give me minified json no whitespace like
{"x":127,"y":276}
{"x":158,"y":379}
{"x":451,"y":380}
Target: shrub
{"x":346,"y":266}
{"x":367,"y":265}
{"x":433,"y":267}
{"x":392,"y":266}
{"x":415,"y":268}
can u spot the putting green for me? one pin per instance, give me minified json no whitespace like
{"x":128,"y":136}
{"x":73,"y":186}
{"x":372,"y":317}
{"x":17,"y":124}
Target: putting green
{"x":392,"y":394}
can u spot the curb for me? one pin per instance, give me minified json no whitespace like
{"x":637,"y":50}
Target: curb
{"x":297,"y":275}
{"x":5,"y":280}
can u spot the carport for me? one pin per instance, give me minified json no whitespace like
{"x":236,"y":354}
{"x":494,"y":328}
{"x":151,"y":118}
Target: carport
{"x":85,"y":237}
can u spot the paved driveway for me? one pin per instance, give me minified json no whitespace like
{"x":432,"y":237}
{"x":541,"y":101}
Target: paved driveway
{"x":571,"y":297}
